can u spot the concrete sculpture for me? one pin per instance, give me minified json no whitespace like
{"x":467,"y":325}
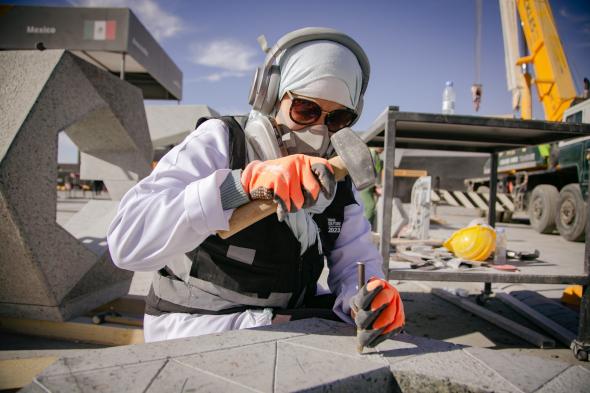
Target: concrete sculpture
{"x":48,"y":271}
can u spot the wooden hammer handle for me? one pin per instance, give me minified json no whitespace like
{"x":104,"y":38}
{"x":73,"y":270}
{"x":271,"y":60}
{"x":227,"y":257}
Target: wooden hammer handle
{"x":254,"y":211}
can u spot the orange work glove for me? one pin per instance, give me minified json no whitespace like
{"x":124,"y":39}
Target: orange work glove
{"x":378,"y":312}
{"x":294,"y":182}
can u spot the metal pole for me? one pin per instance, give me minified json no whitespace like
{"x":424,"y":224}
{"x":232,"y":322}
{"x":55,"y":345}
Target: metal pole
{"x":388,"y":186}
{"x":581,"y":346}
{"x":122,"y":72}
{"x":518,"y":330}
{"x":493,"y":188}
{"x":487,"y":289}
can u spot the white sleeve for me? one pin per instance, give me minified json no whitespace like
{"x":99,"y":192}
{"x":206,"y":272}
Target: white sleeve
{"x":352,"y":245}
{"x":177,"y":206}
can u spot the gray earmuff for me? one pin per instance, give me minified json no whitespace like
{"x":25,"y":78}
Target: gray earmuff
{"x":265,"y":86}
{"x":359,"y":109}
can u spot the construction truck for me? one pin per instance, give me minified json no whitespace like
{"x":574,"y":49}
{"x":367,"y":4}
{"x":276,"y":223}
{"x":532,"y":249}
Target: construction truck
{"x":548,"y":182}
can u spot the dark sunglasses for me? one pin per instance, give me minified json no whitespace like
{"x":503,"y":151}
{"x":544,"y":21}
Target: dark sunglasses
{"x":306,"y":112}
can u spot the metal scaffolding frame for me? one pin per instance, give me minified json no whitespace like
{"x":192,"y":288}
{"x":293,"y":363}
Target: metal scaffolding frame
{"x":394,"y":129}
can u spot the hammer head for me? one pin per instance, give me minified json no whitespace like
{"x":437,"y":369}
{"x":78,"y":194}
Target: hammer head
{"x":356,"y":157}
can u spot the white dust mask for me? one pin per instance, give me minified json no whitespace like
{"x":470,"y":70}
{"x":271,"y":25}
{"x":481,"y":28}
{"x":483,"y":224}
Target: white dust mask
{"x":312,"y":140}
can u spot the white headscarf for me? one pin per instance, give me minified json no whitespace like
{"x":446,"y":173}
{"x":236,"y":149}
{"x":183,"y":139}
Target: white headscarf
{"x":321,"y":69}
{"x":318,"y":69}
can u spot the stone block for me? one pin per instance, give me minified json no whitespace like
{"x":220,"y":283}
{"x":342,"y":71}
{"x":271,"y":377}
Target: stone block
{"x":170,"y":124}
{"x":307,"y":368}
{"x":90,"y":224}
{"x":405,"y":346}
{"x":307,"y":355}
{"x":44,"y":269}
{"x":453,"y":370}
{"x":528,"y":373}
{"x":135,"y":378}
{"x":189,"y":346}
{"x":251,"y":365}
{"x":575,"y":379}
{"x":177,"y":377}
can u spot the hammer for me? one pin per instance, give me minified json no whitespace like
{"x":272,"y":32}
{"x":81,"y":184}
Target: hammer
{"x":354,"y":159}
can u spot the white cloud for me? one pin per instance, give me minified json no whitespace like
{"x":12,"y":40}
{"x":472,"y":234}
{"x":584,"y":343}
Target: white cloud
{"x":160,"y":23}
{"x":233,"y":58}
{"x":575,"y":18}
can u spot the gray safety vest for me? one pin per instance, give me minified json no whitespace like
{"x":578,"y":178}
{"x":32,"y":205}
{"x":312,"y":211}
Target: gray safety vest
{"x":260,"y":266}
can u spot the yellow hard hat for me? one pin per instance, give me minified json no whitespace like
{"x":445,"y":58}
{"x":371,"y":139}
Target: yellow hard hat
{"x":475,"y":243}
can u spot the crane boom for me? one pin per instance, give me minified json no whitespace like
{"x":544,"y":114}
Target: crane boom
{"x":553,"y":79}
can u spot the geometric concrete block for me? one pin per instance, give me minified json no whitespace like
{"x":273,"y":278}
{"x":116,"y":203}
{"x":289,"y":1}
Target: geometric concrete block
{"x":306,"y":355}
{"x":46,"y":272}
{"x":90,"y":224}
{"x":130,"y":379}
{"x":435,"y":371}
{"x":251,"y":366}
{"x":305,"y":368}
{"x":573,"y":380}
{"x":534,"y":372}
{"x":178,"y":377}
{"x":170,"y":124}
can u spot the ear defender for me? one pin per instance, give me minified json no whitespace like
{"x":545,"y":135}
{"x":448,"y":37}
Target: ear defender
{"x":359,"y":109}
{"x":268,"y":100}
{"x":265,"y":86}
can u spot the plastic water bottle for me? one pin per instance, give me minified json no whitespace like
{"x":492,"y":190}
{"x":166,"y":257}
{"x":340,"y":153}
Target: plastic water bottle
{"x":448,"y":102}
{"x":500,"y":253}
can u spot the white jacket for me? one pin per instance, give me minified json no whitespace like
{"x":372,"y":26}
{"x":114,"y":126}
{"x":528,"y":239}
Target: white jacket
{"x":176,"y":207}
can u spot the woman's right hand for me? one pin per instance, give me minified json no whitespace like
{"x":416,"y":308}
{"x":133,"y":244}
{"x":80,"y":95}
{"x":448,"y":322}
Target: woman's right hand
{"x":294,"y":182}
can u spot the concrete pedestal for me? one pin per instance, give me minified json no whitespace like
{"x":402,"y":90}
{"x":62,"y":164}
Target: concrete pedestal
{"x":309,"y":355}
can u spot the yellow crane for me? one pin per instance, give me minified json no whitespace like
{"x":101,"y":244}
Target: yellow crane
{"x":552,"y":76}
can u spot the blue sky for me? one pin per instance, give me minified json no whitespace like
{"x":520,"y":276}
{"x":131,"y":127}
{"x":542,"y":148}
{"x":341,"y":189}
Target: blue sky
{"x":413,"y":46}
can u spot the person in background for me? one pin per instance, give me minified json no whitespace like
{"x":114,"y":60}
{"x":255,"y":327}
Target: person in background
{"x":370,"y":195}
{"x":310,"y":86}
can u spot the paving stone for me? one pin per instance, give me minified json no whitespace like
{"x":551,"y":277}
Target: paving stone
{"x":454,"y":370}
{"x":575,"y":379}
{"x":306,"y":355}
{"x":176,"y":377}
{"x":405,"y":346}
{"x":309,"y":326}
{"x":302,"y":368}
{"x":251,"y":365}
{"x":128,"y":379}
{"x":33,"y":388}
{"x":188,"y":346}
{"x":528,"y":373}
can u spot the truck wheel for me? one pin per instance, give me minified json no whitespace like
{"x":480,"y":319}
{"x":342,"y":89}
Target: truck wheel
{"x":571,"y":213}
{"x":543,"y":208}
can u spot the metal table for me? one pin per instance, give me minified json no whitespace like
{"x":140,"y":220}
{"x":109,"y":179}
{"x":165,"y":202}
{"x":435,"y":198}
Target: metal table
{"x":394,"y":129}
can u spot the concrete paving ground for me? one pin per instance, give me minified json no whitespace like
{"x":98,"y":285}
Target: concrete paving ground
{"x":430,"y":316}
{"x":427,"y":315}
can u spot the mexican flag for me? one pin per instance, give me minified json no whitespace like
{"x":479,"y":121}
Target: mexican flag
{"x":100,"y":30}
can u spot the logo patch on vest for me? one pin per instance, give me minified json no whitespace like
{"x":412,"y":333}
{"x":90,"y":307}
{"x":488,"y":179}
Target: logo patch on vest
{"x":334,"y":226}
